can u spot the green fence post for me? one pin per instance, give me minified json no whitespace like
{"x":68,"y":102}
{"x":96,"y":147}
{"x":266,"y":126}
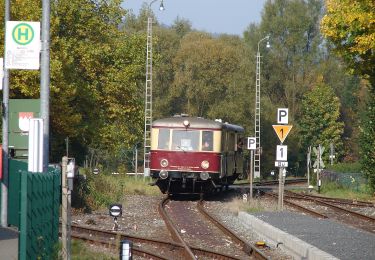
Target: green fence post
{"x":22,"y":244}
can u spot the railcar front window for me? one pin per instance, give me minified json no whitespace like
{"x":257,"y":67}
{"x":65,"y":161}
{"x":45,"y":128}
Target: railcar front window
{"x":163,"y":140}
{"x":207,"y":140}
{"x":185,"y":140}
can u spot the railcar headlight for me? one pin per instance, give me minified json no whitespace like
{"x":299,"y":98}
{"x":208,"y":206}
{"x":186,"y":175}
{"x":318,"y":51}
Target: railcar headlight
{"x":186,"y":123}
{"x":164,"y":163}
{"x":163,"y":174}
{"x":205,"y":164}
{"x":204,"y":176}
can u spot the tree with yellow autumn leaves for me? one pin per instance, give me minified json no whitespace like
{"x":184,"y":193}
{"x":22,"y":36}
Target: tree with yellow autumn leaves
{"x":350,"y":26}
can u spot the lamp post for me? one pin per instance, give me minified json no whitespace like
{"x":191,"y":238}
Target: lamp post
{"x":257,"y":111}
{"x":148,"y":95}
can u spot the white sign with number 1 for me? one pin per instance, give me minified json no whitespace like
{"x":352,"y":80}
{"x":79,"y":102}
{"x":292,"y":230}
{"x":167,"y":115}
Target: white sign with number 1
{"x":281,"y":153}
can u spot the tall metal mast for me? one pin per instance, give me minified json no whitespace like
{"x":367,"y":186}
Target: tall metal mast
{"x":148,"y":101}
{"x":257,"y":118}
{"x":148,"y":95}
{"x":258,"y":150}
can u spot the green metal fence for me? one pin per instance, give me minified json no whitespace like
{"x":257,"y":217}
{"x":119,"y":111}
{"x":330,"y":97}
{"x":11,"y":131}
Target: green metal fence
{"x":14,"y":191}
{"x":34,"y":200}
{"x":352,"y":181}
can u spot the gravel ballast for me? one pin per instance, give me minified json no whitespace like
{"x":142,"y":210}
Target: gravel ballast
{"x":140,"y":217}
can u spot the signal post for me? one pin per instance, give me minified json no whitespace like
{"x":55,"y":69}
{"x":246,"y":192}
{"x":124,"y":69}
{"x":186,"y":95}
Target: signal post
{"x":282,"y":130}
{"x":251,"y":145}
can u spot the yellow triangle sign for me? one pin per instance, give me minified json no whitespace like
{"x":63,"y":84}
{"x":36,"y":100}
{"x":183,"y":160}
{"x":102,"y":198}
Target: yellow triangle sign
{"x":282,"y":131}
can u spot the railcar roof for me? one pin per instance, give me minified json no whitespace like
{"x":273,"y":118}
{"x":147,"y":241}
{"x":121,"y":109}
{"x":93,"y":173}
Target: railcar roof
{"x":195,"y":122}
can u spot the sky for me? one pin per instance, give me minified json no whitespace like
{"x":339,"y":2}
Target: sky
{"x":213,"y":16}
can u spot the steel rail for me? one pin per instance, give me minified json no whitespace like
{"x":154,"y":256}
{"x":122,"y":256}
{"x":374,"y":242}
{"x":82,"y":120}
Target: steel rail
{"x":106,"y":233}
{"x":331,"y":200}
{"x":93,"y":234}
{"x":247,"y":248}
{"x":193,"y":249}
{"x":357,"y":214}
{"x":171,"y":227}
{"x":358,"y":203}
{"x":135,"y":250}
{"x":273,"y":182}
{"x":299,"y":207}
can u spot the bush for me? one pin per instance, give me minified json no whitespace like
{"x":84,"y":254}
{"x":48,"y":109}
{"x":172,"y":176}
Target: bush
{"x":99,"y":191}
{"x":345,"y":167}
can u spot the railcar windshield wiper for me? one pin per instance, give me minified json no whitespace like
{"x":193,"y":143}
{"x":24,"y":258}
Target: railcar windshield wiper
{"x":180,"y":148}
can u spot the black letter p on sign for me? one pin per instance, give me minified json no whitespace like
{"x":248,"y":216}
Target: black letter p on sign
{"x":282,"y":116}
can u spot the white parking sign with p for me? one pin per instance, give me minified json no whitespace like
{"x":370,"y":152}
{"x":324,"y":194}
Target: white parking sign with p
{"x":282,"y":116}
{"x":251,"y":143}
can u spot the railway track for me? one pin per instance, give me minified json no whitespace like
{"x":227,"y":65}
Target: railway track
{"x":247,"y":248}
{"x":355,"y":203}
{"x":201,"y":229}
{"x":337,"y":209}
{"x":143,"y":247}
{"x":162,"y":249}
{"x":273,"y":182}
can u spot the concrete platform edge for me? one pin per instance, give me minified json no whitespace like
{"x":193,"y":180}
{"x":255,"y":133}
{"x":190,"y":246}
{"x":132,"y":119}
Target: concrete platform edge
{"x":275,"y":237}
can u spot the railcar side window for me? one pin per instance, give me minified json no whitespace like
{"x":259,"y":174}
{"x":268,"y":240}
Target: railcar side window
{"x":185,"y":140}
{"x":232,"y":142}
{"x":207,"y":140}
{"x":163,"y":140}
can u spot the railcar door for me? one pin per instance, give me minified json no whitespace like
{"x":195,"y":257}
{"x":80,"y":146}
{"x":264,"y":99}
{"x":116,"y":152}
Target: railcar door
{"x":228,"y":154}
{"x":239,"y":154}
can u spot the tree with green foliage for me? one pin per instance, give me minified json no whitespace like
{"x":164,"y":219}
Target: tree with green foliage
{"x":320,"y":119}
{"x":204,"y":67}
{"x":367,"y":141}
{"x":288,"y":69}
{"x":94,"y":72}
{"x":289,"y":66}
{"x":350,"y":26}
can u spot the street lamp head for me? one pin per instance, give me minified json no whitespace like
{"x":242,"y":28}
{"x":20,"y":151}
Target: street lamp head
{"x":161,"y":7}
{"x":268,"y":45}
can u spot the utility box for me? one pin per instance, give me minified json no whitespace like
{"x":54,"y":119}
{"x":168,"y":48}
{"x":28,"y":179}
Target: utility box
{"x":20,"y":111}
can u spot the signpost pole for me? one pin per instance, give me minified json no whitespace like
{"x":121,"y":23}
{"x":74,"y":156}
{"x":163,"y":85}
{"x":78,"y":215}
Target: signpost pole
{"x":308,"y":165}
{"x":282,"y":187}
{"x":279,"y":200}
{"x":318,"y":169}
{"x":251,"y":145}
{"x":44,"y":80}
{"x":332,"y":152}
{"x":5,"y":143}
{"x":136,"y":162}
{"x":251,"y":173}
{"x":281,"y":151}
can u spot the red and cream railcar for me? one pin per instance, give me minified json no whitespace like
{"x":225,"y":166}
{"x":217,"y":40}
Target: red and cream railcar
{"x":195,"y":155}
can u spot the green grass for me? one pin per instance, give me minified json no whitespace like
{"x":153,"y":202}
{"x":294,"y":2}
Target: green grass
{"x":81,"y":251}
{"x":98,"y":191}
{"x":345,"y":167}
{"x":253,"y":206}
{"x":331,"y":189}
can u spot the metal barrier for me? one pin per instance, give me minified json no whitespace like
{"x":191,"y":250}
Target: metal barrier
{"x":34,"y":201}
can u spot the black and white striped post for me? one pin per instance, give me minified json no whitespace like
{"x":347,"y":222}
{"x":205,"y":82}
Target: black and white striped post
{"x":115,"y":211}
